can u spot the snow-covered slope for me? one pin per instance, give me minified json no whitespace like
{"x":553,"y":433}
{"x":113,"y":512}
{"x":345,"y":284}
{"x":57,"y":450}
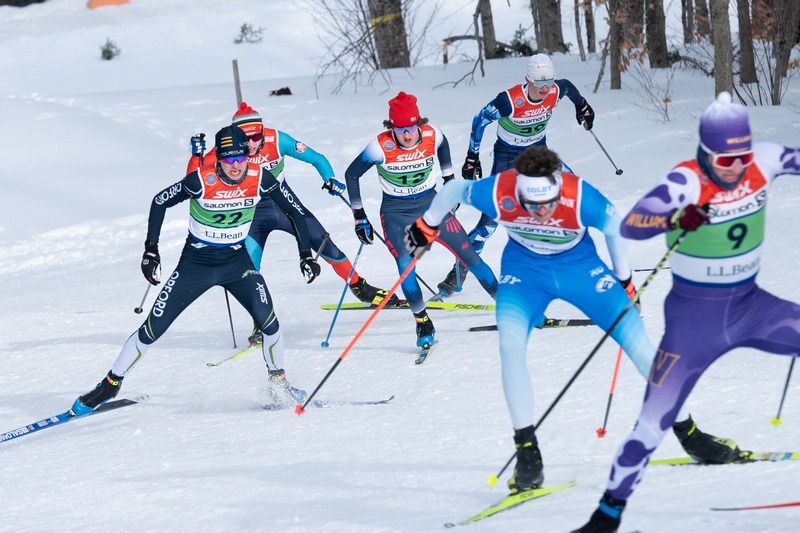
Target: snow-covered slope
{"x":85,"y":146}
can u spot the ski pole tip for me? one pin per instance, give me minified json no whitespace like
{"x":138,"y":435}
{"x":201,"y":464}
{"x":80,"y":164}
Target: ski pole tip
{"x":619,"y":172}
{"x":298,"y":409}
{"x":324,"y":344}
{"x":776,"y":421}
{"x":492,"y":480}
{"x":601,"y":432}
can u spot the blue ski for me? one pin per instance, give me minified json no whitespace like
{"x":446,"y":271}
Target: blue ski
{"x":66,"y":416}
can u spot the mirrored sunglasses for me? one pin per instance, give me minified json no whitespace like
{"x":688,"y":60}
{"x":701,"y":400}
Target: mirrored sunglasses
{"x":543,"y":83}
{"x":533,"y":206}
{"x":728,"y":160}
{"x":406,"y":129}
{"x":256,"y":137}
{"x":236,"y":159}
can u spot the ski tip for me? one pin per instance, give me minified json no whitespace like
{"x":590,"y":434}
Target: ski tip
{"x":298,"y":409}
{"x":492,"y":479}
{"x":776,"y":421}
{"x":601,"y":432}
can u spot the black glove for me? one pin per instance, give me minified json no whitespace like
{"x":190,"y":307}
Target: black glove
{"x":690,"y":217}
{"x":198,"y":144}
{"x":448,"y":178}
{"x":308,"y":266}
{"x":419,"y":236}
{"x":151,"y":263}
{"x":584,"y":112}
{"x":363,"y":227}
{"x":472,"y":167}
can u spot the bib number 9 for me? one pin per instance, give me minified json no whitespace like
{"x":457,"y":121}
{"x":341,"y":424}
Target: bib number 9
{"x":737,"y":234}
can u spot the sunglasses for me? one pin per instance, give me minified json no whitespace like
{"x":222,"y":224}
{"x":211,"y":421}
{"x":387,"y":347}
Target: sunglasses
{"x":406,"y":129}
{"x":727,"y":160}
{"x":534,"y":206}
{"x":543,"y":83}
{"x":256,"y":137}
{"x":236,"y":159}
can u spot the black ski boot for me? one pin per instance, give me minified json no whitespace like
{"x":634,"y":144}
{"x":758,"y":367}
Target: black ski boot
{"x":705,"y":448}
{"x":452,"y":283}
{"x":372,"y":295}
{"x":256,"y":337}
{"x":606,"y":518}
{"x":529,"y":470}
{"x":104,"y":391}
{"x":281,"y":392}
{"x":425,"y":330}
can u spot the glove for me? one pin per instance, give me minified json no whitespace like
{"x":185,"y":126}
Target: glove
{"x":630,"y":288}
{"x":308,"y":266}
{"x":448,"y":178}
{"x":690,"y":217}
{"x":363,"y":227}
{"x":419,"y":236}
{"x":472,"y":167}
{"x":334,"y":187}
{"x":198,"y":144}
{"x":151,"y":263}
{"x":584,"y":112}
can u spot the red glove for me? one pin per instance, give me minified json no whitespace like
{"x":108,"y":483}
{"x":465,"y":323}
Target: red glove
{"x":690,"y":217}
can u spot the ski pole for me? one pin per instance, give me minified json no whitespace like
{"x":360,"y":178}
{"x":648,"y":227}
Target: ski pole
{"x":632,"y":303}
{"x":617,"y":169}
{"x":230,"y":317}
{"x":777,"y":420}
{"x":601,"y":431}
{"x":324,"y":343}
{"x":299,"y":409}
{"x":380,"y":238}
{"x":138,"y":310}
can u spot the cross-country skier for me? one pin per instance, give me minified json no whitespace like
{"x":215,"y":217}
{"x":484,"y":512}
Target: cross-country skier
{"x":268,"y":148}
{"x":404,"y":157}
{"x":522,"y":113}
{"x":549,"y":255}
{"x":223,"y":195}
{"x":715,"y":304}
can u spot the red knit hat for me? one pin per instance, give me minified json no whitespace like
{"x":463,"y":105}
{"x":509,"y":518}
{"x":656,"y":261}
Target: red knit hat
{"x":247,"y":119}
{"x":403,"y":110}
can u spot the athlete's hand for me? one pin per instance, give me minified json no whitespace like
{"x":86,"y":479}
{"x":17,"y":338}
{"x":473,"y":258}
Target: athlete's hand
{"x":690,"y":217}
{"x":363,"y":227}
{"x":585,"y":113}
{"x":472,"y":167}
{"x":334,"y":187}
{"x":198,"y":142}
{"x":419,"y":236}
{"x":308,"y":266}
{"x":151,"y":263}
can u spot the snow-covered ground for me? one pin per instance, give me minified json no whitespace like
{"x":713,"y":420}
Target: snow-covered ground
{"x":86,"y":144}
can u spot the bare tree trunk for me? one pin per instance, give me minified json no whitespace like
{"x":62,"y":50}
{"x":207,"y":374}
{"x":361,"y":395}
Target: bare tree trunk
{"x":747,"y":64}
{"x":578,"y":30}
{"x":537,"y":25}
{"x":656,"y":34}
{"x":702,"y":19}
{"x":550,"y":26}
{"x":390,"y":33}
{"x":762,"y":20}
{"x":588,"y":18}
{"x":787,"y":15}
{"x":634,"y":24}
{"x":723,"y":50}
{"x":615,"y":43}
{"x":687,"y":21}
{"x":487,"y":27}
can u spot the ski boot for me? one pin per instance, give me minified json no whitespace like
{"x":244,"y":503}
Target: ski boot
{"x":256,"y":337}
{"x":606,"y":518}
{"x":529,"y":470}
{"x":425,"y":329}
{"x":452,"y":283}
{"x":281,"y":393}
{"x":372,"y":295}
{"x":705,"y":448}
{"x":104,"y":391}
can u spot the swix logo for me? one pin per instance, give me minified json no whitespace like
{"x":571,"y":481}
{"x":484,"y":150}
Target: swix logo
{"x":262,"y":292}
{"x":411,"y":156}
{"x":730,"y":196}
{"x":229,"y":194}
{"x":535,"y":112}
{"x":554,"y":222}
{"x":264,"y":161}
